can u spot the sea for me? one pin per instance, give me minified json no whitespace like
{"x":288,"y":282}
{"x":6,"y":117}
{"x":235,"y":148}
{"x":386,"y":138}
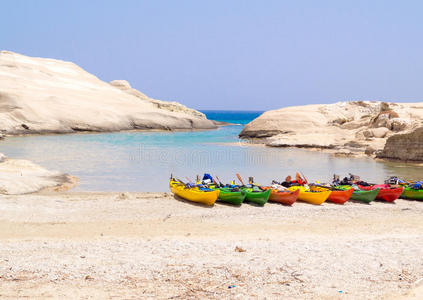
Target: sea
{"x":140,"y":161}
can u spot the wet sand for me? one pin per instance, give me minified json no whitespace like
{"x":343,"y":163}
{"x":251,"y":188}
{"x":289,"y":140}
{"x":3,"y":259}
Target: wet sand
{"x":146,"y":245}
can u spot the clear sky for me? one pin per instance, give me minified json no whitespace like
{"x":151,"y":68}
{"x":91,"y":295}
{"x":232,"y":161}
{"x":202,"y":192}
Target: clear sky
{"x":250,"y":55}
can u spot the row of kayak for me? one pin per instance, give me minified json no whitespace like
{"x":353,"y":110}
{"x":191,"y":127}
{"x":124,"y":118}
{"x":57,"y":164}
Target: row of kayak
{"x":314,"y":194}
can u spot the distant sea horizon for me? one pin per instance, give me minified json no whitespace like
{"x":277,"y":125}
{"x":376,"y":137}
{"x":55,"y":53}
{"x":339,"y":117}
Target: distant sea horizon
{"x":232,"y":116}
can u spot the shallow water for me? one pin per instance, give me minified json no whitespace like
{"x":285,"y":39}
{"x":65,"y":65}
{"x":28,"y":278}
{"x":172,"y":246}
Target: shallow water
{"x":143,"y":161}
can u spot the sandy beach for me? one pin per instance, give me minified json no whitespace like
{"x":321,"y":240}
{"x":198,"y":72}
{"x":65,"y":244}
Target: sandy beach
{"x":145,"y":245}
{"x":101,"y":106}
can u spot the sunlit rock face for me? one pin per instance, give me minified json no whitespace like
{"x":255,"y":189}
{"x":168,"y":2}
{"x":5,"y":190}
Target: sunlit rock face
{"x":354,"y":126}
{"x":39,"y":95}
{"x":407,"y":146}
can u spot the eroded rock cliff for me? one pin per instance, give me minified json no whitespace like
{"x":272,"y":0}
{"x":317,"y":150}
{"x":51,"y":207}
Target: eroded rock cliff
{"x":408,"y":147}
{"x":352,"y":127}
{"x":39,"y":95}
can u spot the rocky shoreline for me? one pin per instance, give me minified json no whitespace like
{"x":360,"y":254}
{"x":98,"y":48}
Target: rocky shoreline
{"x":347,"y":128}
{"x":50,"y":96}
{"x":18,"y":176}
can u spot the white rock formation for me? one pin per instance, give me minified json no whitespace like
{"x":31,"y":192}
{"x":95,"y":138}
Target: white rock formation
{"x":21,"y":176}
{"x":39,"y":95}
{"x":343,"y":125}
{"x":408,"y":146}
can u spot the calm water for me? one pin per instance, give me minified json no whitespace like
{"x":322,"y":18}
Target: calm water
{"x":143,"y":161}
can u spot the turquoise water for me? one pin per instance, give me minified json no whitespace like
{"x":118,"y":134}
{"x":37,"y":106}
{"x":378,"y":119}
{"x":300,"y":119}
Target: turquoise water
{"x":230,"y":116}
{"x":143,"y":161}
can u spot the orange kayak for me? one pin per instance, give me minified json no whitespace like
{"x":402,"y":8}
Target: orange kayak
{"x":283,"y":197}
{"x":339,"y":197}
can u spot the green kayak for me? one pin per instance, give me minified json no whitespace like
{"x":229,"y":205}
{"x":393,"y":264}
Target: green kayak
{"x":413,"y":194}
{"x":232,"y":197}
{"x":258,"y":197}
{"x":360,"y":195}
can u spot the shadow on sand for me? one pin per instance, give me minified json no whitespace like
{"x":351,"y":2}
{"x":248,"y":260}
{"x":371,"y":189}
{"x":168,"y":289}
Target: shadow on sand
{"x":227,"y":204}
{"x":386,"y":202}
{"x":360,"y":202}
{"x":192,"y":202}
{"x":279,"y":203}
{"x":254,"y":204}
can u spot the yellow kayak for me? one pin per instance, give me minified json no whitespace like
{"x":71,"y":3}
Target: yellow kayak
{"x":193,"y":194}
{"x":311,"y":197}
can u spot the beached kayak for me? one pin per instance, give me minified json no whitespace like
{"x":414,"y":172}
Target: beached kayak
{"x":361,"y":195}
{"x":309,"y":196}
{"x":194,"y":194}
{"x":283,"y":197}
{"x":337,"y":196}
{"x":413,"y":194}
{"x":386,"y":193}
{"x":257,"y":197}
{"x":229,"y":196}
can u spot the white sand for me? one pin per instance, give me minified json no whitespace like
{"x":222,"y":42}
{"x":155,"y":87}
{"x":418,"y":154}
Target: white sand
{"x":102,"y":245}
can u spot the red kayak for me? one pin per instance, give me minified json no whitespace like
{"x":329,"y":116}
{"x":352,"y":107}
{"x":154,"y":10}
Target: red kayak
{"x":386,"y":193}
{"x":283,"y":197}
{"x":337,"y":196}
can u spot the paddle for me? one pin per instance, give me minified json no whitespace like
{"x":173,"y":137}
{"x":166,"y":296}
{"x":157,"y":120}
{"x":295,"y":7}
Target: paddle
{"x":188,"y":179}
{"x":176,"y":179}
{"x":240,"y":179}
{"x":220,"y":182}
{"x":181,"y":181}
{"x":304,"y":177}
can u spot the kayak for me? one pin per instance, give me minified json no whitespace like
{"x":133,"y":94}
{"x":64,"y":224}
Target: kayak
{"x":283,"y":197}
{"x":386,"y":193}
{"x":413,"y":194}
{"x":337,"y":196}
{"x":194,"y":194}
{"x":361,"y":195}
{"x":309,"y":196}
{"x":232,"y":197}
{"x":257,"y":197}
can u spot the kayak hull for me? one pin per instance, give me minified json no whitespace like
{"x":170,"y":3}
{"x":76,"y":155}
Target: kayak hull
{"x":259,"y":198}
{"x":412,"y":194}
{"x":361,"y":195}
{"x":194,"y":194}
{"x":315,"y":198}
{"x":227,"y":196}
{"x":338,"y":197}
{"x":283,"y":197}
{"x":386,"y":194}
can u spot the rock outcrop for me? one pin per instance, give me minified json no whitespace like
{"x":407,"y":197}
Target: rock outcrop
{"x":21,"y":176}
{"x":408,"y":147}
{"x":344,"y":126}
{"x":166,"y":105}
{"x":39,"y":95}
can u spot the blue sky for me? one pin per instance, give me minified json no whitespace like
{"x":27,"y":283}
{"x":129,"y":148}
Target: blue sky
{"x":250,"y":55}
